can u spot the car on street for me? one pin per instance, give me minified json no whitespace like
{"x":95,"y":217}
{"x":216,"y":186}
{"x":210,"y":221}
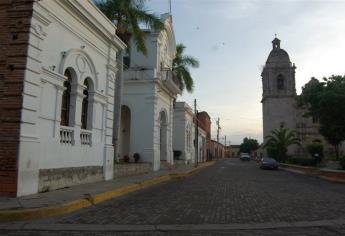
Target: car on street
{"x":245,"y":157}
{"x":269,"y":163}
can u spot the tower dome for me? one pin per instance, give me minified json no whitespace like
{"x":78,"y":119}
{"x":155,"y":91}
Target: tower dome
{"x":277,"y":55}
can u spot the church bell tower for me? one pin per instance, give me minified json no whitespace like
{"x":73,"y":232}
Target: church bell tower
{"x":279,"y":91}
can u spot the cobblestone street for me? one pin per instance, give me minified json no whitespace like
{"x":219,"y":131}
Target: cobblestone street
{"x":228,"y":193}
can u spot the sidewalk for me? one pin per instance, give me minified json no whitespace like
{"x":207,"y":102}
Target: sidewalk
{"x":70,"y":199}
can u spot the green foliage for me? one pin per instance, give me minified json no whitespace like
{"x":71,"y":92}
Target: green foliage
{"x":249,"y":145}
{"x":325,"y":101}
{"x":272,"y":152}
{"x":342,"y":162}
{"x":126,"y":158}
{"x":316,"y":151}
{"x":128,"y":15}
{"x":303,"y":161}
{"x":136,"y":157}
{"x":180,"y":67}
{"x":331,"y":158}
{"x":279,"y":140}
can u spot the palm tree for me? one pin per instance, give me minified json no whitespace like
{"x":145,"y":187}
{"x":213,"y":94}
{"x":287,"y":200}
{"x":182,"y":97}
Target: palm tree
{"x":279,"y":141}
{"x":180,"y":67}
{"x":127,"y":15}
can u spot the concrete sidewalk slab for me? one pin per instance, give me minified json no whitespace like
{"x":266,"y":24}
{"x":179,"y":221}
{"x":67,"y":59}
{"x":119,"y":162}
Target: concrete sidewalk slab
{"x":67,"y":200}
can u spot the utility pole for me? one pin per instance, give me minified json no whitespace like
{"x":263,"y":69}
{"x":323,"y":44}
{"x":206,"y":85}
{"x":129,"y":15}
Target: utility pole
{"x":196,"y":139}
{"x":218,"y":128}
{"x":170,"y":7}
{"x":225,"y":148}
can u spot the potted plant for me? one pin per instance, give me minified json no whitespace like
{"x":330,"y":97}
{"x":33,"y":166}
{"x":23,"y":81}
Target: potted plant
{"x":136,"y":157}
{"x":126,"y":158}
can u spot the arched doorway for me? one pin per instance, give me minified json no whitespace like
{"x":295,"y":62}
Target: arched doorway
{"x":125,"y":131}
{"x":163,"y":136}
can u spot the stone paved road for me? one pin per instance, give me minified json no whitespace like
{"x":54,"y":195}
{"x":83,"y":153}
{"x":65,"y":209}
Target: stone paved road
{"x":230,"y":192}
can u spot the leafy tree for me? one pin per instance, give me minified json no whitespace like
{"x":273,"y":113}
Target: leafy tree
{"x":279,"y":141}
{"x":249,"y":145}
{"x":325,"y":101}
{"x":180,"y":67}
{"x":128,"y":15}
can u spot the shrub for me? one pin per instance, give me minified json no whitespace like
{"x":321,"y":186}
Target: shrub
{"x":177,"y":154}
{"x":126,"y":159}
{"x":136,"y":157}
{"x":342,"y":162}
{"x":331,"y":158}
{"x":316,"y":151}
{"x":272,"y":152}
{"x":303,"y":161}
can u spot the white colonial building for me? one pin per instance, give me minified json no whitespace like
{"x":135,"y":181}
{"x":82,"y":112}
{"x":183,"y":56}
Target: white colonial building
{"x":184,"y":131}
{"x":202,"y":148}
{"x":149,"y":92}
{"x":67,"y":115}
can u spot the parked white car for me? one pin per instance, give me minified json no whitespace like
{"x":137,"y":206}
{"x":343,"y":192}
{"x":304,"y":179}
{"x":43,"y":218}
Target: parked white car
{"x":245,"y":157}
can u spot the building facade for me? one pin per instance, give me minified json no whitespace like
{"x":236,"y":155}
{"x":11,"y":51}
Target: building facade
{"x":150,"y":90}
{"x":279,"y":104}
{"x":202,"y":145}
{"x":62,"y":65}
{"x":204,"y":121}
{"x":184,"y":131}
{"x":217,"y":150}
{"x":279,"y":93}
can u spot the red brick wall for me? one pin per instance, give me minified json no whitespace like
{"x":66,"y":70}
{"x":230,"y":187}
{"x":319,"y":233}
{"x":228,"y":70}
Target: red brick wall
{"x":15,"y":18}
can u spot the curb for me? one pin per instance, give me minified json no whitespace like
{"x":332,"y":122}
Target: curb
{"x":320,"y":176}
{"x":37,"y":213}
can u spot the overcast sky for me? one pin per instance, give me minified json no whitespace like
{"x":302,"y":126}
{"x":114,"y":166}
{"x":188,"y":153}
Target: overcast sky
{"x":232,"y":40}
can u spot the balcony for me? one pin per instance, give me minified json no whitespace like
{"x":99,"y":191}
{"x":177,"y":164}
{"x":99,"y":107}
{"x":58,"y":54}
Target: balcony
{"x":66,"y":135}
{"x":140,"y":74}
{"x":165,"y":74}
{"x":170,"y":80}
{"x":85,"y":137}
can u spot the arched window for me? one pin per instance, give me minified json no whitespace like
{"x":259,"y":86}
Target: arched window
{"x":66,"y":100}
{"x":280,"y":82}
{"x":85,"y":105}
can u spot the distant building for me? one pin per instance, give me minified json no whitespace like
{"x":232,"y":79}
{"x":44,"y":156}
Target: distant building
{"x":217,"y":150}
{"x":234,"y":150}
{"x":279,"y":102}
{"x":205,"y":123}
{"x":202,"y":145}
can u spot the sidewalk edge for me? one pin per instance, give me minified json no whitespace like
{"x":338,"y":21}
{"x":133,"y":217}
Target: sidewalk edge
{"x":37,"y":213}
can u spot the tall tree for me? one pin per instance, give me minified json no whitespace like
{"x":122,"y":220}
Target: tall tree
{"x":325,"y":101}
{"x":279,"y":141}
{"x":128,"y":15}
{"x":249,"y":145}
{"x":181,"y":65}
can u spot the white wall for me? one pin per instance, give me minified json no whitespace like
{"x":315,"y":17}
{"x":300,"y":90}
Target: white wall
{"x":145,"y":101}
{"x":183,"y":123}
{"x":67,"y":34}
{"x":147,"y":95}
